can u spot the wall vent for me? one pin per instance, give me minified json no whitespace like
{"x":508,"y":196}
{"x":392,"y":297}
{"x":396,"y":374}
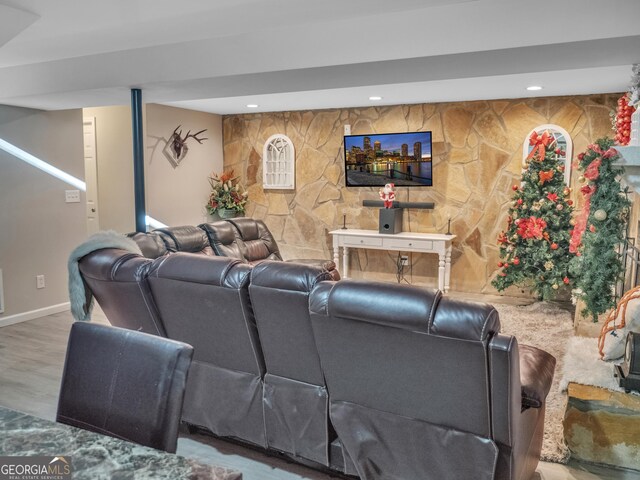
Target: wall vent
{"x":1,"y":294}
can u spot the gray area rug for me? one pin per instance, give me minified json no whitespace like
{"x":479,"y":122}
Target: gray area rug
{"x":550,"y":328}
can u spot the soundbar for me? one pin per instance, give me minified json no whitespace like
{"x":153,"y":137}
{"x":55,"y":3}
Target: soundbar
{"x":379,"y":203}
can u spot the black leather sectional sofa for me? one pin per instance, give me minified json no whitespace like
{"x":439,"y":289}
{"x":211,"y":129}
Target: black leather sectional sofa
{"x":375,"y":380}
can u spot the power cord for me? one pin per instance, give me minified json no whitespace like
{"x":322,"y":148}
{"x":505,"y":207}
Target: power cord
{"x":401,"y":268}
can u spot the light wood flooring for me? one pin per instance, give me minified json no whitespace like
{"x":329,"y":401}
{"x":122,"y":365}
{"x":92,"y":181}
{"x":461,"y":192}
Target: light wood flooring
{"x":31,"y":360}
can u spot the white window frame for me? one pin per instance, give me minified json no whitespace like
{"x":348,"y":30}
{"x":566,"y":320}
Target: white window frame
{"x":278,"y":163}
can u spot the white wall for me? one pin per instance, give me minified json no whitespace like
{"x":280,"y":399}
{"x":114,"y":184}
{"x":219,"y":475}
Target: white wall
{"x":38,"y":229}
{"x":177,"y":196}
{"x":114,"y":153}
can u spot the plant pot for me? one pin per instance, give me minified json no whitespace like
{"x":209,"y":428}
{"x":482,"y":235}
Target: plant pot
{"x":227,"y":213}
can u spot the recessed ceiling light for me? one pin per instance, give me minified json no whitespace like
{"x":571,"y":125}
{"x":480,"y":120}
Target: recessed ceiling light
{"x":252,"y":105}
{"x":534,"y":88}
{"x":375,"y":98}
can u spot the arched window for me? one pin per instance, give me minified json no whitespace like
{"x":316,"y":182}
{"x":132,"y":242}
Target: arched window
{"x":278,"y":163}
{"x":563,"y":141}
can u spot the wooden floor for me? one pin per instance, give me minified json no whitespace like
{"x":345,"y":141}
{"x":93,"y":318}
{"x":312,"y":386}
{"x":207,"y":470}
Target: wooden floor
{"x":31,"y":360}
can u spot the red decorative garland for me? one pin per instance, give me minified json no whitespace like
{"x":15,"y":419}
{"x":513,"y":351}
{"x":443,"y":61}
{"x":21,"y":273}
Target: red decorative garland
{"x":592,"y":172}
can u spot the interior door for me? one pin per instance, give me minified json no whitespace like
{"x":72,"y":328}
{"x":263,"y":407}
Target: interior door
{"x":91,"y":174}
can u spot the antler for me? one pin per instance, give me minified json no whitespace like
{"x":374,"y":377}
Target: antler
{"x":178,"y":143}
{"x":195,"y":136}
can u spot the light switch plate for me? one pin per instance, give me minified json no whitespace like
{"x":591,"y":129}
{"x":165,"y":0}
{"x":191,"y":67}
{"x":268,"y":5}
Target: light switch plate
{"x":72,"y":196}
{"x":347,"y":129}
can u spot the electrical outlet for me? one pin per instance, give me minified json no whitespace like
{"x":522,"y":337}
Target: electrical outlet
{"x":404,"y":260}
{"x":72,"y":196}
{"x":347,"y":129}
{"x":40,"y":281}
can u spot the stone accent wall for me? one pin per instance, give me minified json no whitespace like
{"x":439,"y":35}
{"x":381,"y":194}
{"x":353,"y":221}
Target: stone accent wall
{"x":477,"y":157}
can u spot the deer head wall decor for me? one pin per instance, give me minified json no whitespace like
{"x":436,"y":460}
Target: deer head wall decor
{"x":178,"y":143}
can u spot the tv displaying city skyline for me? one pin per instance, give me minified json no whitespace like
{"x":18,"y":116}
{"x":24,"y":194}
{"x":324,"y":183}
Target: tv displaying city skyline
{"x":374,"y":160}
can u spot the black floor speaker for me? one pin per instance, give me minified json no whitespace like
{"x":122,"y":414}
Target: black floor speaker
{"x":390,"y":220}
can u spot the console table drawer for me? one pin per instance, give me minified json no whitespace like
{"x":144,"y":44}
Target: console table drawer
{"x":404,"y":244}
{"x":362,"y":241}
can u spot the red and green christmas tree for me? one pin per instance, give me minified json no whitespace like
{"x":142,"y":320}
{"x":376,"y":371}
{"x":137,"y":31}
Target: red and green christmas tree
{"x":534,"y":249}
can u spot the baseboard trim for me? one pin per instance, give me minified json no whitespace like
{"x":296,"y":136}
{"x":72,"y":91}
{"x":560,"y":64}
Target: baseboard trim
{"x":30,"y":315}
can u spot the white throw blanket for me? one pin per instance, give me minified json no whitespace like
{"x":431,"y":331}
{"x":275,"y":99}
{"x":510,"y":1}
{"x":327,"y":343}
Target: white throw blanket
{"x":81,"y":300}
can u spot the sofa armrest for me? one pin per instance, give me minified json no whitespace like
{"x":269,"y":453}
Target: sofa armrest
{"x":326,"y":265}
{"x":536,"y":374}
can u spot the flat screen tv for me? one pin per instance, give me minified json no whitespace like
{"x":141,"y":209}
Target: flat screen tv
{"x":403,"y":159}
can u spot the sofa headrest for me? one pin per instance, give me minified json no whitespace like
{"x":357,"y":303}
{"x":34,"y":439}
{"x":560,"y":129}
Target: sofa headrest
{"x":407,"y":307}
{"x":208,"y":270}
{"x":465,"y":320}
{"x":247,"y":227}
{"x":114,"y":264}
{"x":186,"y":238}
{"x":221,"y":233}
{"x":256,"y":241}
{"x":223,"y":239}
{"x":288,"y":275}
{"x":399,"y":306}
{"x":151,"y":243}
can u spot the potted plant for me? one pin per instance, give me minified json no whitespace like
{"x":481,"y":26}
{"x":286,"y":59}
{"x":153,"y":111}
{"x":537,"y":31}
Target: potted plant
{"x":227,"y":198}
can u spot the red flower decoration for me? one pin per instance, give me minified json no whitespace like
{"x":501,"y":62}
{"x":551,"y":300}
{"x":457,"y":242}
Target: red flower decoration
{"x":532,"y":227}
{"x":552,"y":196}
{"x":516,"y":261}
{"x":566,"y":280}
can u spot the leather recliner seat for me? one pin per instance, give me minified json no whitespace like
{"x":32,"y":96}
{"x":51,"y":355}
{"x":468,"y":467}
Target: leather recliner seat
{"x":422,"y":386}
{"x":204,"y":301}
{"x":296,"y":403}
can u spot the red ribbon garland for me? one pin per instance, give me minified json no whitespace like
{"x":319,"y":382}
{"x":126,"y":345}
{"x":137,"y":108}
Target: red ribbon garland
{"x":539,"y":143}
{"x":580,"y":227}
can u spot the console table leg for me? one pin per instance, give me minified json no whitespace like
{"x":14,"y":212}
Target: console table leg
{"x":441,"y":272}
{"x":336,"y":255}
{"x":447,"y":269}
{"x":345,"y":262}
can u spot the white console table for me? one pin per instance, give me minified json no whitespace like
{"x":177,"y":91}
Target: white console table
{"x":405,"y":242}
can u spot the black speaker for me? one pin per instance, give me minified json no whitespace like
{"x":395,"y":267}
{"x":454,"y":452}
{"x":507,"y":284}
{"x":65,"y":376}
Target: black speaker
{"x":390,"y":220}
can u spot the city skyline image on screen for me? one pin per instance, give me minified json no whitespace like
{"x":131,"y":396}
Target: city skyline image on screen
{"x":403,"y":159}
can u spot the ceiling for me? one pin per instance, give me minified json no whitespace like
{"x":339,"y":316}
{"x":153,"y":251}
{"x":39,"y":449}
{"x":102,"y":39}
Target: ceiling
{"x":220,"y":55}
